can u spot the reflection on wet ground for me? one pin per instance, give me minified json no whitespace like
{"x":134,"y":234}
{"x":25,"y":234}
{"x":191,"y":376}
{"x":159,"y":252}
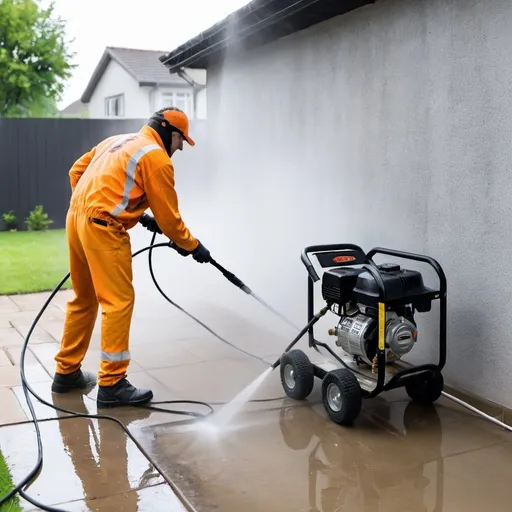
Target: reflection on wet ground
{"x":89,"y":464}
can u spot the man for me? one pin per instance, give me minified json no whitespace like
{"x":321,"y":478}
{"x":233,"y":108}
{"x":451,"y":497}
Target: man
{"x":112,"y":185}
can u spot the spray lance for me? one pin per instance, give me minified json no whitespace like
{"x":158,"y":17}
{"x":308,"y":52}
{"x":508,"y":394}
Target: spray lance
{"x":227,"y":274}
{"x":231,"y":277}
{"x":237,"y":282}
{"x":151,"y":225}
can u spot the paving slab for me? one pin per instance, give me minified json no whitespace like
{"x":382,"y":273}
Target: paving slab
{"x":5,"y":322}
{"x":14,"y":354}
{"x":7,"y":305}
{"x":157,"y":498}
{"x":10,"y":375}
{"x":29,"y":301}
{"x":10,"y":337}
{"x":4,"y":358}
{"x":10,"y":370}
{"x":22,"y":322}
{"x":11,"y":410}
{"x":214,"y":381}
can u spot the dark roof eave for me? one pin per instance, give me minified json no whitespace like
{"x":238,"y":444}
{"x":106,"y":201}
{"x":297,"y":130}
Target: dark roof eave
{"x":259,"y":22}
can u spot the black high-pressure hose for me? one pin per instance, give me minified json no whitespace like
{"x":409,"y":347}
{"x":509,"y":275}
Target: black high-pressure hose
{"x":27,"y":389}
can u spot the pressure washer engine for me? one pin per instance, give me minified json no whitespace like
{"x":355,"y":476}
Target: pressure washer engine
{"x":376,"y":308}
{"x":352,"y":292}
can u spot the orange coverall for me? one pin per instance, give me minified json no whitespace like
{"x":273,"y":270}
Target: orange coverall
{"x":125,"y":175}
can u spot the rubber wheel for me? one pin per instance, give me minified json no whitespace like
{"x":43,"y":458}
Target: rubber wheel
{"x":297,"y":374}
{"x":342,"y":396}
{"x":426,"y":390}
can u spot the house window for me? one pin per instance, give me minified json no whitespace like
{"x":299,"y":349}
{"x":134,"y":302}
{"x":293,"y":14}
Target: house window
{"x":179,"y":99}
{"x":114,"y":106}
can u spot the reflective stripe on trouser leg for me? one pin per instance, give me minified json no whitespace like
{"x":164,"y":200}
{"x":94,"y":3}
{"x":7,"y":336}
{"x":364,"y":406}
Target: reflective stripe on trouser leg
{"x":115,"y":357}
{"x":130,"y":176}
{"x":81,"y":311}
{"x":109,"y":253}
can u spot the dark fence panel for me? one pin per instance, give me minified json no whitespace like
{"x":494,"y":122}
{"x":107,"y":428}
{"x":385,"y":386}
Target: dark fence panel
{"x":36,"y":155}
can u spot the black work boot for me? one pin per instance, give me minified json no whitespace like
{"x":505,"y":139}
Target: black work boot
{"x":76,"y":380}
{"x":122,"y":393}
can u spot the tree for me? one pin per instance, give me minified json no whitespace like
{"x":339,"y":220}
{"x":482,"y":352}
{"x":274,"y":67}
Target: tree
{"x":34,"y":58}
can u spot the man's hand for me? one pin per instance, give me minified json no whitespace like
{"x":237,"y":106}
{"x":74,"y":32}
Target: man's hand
{"x":181,"y":251}
{"x":201,"y":254}
{"x":150,"y":223}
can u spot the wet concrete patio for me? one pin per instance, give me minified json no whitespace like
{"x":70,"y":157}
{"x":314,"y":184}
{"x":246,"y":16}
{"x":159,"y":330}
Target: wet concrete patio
{"x":276,"y":455}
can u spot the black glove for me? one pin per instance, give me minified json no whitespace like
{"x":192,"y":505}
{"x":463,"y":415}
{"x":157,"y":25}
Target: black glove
{"x":150,"y":223}
{"x":201,"y":254}
{"x":181,"y":251}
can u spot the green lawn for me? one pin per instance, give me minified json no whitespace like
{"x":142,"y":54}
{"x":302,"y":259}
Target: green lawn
{"x":6,"y":485}
{"x":32,"y":261}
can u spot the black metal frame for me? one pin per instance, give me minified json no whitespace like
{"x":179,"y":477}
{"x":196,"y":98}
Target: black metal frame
{"x":359,"y":257}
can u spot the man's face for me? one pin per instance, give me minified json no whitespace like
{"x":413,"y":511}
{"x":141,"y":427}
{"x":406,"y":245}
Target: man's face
{"x":176,"y":142}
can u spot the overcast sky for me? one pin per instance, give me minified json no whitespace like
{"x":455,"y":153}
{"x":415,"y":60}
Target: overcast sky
{"x":161,"y":25}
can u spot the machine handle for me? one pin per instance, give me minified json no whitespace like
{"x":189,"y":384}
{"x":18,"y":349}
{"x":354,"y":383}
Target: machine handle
{"x":328,"y":247}
{"x":415,"y":257}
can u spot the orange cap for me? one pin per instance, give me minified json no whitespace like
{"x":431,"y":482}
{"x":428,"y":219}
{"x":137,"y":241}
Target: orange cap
{"x":180,"y":121}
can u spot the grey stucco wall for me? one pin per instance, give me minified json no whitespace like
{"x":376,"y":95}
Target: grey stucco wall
{"x":388,"y":126}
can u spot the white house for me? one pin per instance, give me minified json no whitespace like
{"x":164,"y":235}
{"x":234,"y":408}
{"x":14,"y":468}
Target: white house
{"x":132,"y":84}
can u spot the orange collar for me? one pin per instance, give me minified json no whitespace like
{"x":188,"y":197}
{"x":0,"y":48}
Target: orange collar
{"x":147,"y":131}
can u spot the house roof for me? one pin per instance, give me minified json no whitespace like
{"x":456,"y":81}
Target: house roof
{"x":143,"y":65}
{"x":77,"y":107}
{"x":258,"y":22}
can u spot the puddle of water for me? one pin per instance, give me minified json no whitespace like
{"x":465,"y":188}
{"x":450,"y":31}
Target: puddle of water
{"x":226,"y":415}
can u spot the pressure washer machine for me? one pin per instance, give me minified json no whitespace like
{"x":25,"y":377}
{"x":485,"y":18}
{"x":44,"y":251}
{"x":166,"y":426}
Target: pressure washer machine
{"x":376,"y":306}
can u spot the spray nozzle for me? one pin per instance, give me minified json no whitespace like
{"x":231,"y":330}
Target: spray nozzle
{"x":227,"y":274}
{"x":231,"y":277}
